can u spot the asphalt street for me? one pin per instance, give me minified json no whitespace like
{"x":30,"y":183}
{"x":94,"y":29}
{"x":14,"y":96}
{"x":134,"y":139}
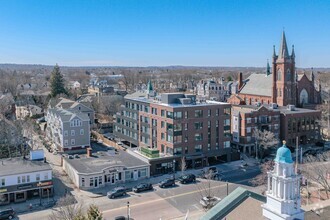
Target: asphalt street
{"x":170,"y":203}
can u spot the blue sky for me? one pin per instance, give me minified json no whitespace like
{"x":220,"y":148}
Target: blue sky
{"x":162,"y":32}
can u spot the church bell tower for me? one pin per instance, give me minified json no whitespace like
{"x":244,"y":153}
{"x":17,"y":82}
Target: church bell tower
{"x":284,"y":84}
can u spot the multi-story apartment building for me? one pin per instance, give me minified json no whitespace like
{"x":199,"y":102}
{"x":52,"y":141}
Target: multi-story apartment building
{"x":21,"y":179}
{"x":174,"y":125}
{"x":286,"y":122}
{"x":68,"y":129}
{"x":247,"y":118}
{"x":83,"y":107}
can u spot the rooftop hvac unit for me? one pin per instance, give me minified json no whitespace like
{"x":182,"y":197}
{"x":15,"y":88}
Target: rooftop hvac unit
{"x":291,"y":107}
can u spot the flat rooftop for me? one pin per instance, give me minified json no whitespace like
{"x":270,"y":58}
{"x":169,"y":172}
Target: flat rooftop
{"x":18,"y":165}
{"x":101,"y":160}
{"x":282,"y":109}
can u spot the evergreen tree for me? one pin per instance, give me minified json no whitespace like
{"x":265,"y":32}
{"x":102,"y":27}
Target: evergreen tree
{"x":57,"y":82}
{"x":94,"y":213}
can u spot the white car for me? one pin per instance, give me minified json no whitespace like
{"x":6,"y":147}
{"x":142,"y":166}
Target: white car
{"x":120,"y":143}
{"x":208,"y":202}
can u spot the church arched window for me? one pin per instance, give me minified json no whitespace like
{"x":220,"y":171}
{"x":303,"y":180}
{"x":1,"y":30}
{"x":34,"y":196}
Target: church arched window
{"x":279,"y":75}
{"x":303,"y":97}
{"x":288,"y":75}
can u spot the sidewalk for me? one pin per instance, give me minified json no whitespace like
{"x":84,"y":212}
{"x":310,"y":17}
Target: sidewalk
{"x":222,"y":168}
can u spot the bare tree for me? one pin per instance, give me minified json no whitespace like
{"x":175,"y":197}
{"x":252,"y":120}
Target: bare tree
{"x":67,"y":208}
{"x":183,"y":165}
{"x":316,"y":169}
{"x":264,"y":140}
{"x":261,"y":179}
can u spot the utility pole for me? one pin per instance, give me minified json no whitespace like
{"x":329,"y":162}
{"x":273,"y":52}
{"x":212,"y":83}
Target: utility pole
{"x":297,"y":145}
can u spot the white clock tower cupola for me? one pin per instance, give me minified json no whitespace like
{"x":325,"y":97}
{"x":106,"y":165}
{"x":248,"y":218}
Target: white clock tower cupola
{"x":283,"y":191}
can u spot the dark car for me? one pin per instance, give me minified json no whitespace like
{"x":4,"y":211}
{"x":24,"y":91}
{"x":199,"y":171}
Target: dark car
{"x":188,"y":178}
{"x":116,"y":192}
{"x":166,"y":183}
{"x":142,"y":187}
{"x":7,"y":214}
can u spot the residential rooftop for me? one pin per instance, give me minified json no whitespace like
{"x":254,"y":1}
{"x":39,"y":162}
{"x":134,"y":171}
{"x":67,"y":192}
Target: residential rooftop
{"x":18,"y":165}
{"x":101,"y":160}
{"x":282,"y":109}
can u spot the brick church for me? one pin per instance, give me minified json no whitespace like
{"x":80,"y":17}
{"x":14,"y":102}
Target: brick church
{"x":281,"y":84}
{"x":280,"y":101}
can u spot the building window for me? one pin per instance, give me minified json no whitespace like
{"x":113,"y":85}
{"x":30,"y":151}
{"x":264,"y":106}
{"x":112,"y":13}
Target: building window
{"x":177,"y":151}
{"x":198,"y":125}
{"x":3,"y":182}
{"x":18,"y":179}
{"x":100,"y":180}
{"x":226,"y":144}
{"x":198,"y":137}
{"x":248,"y":120}
{"x":66,"y":142}
{"x":248,"y":130}
{"x":186,"y":150}
{"x":81,"y":131}
{"x":65,"y":133}
{"x":23,"y":179}
{"x":73,"y":133}
{"x":208,"y":147}
{"x":28,"y":178}
{"x":217,"y":112}
{"x":186,"y":138}
{"x":186,"y":126}
{"x":198,"y":148}
{"x":226,"y":122}
{"x":82,"y":181}
{"x":162,"y":124}
{"x":73,"y":141}
{"x":143,"y":172}
{"x":162,"y":135}
{"x":185,"y":114}
{"x":209,"y":112}
{"x":198,"y":113}
{"x":162,"y":113}
{"x":91,"y":181}
{"x":226,"y":111}
{"x":38,"y":177}
{"x":46,"y":176}
{"x":177,"y":115}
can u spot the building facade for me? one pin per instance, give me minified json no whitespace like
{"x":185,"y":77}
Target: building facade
{"x":212,"y":90}
{"x":170,"y":126}
{"x":68,"y":130}
{"x":21,"y":179}
{"x":104,"y":168}
{"x":246,"y":119}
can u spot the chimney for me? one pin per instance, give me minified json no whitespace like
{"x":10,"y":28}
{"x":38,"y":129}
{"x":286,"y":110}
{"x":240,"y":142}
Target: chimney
{"x":240,"y":81}
{"x":89,"y":152}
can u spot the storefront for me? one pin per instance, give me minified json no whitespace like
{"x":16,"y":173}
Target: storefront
{"x":20,"y":193}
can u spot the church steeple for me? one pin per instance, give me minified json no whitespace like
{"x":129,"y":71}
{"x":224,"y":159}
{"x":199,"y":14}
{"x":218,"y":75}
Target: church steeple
{"x":293,"y":55}
{"x":274,"y":52}
{"x":284,"y":53}
{"x":312,"y":75}
{"x":268,"y":69}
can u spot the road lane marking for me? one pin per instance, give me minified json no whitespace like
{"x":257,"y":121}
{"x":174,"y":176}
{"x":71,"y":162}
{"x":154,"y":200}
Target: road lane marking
{"x":170,"y":197}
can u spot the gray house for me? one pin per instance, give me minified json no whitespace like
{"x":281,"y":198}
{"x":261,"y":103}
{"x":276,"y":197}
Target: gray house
{"x":68,"y":129}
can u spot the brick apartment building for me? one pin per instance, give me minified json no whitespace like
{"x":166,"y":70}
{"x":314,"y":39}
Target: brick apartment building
{"x":173,"y":125}
{"x":247,"y":118}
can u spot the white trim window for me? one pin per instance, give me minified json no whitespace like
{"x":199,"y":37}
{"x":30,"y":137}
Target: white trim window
{"x":73,"y":141}
{"x":66,"y":142}
{"x":73,"y":132}
{"x":82,"y":131}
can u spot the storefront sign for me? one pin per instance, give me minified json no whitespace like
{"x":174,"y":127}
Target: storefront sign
{"x":24,"y":186}
{"x":3,"y":190}
{"x":45,"y":183}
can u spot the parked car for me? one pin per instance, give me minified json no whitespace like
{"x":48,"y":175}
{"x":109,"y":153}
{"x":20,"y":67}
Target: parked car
{"x":123,"y":218}
{"x":116,"y":192}
{"x":188,"y":178}
{"x":142,"y":187}
{"x":167,"y":182}
{"x":7,"y":213}
{"x":208,"y":202}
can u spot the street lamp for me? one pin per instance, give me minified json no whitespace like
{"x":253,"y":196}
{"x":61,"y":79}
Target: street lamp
{"x":128,"y":210}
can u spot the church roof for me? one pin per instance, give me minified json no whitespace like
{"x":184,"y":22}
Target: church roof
{"x":283,"y":155}
{"x":258,"y":84}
